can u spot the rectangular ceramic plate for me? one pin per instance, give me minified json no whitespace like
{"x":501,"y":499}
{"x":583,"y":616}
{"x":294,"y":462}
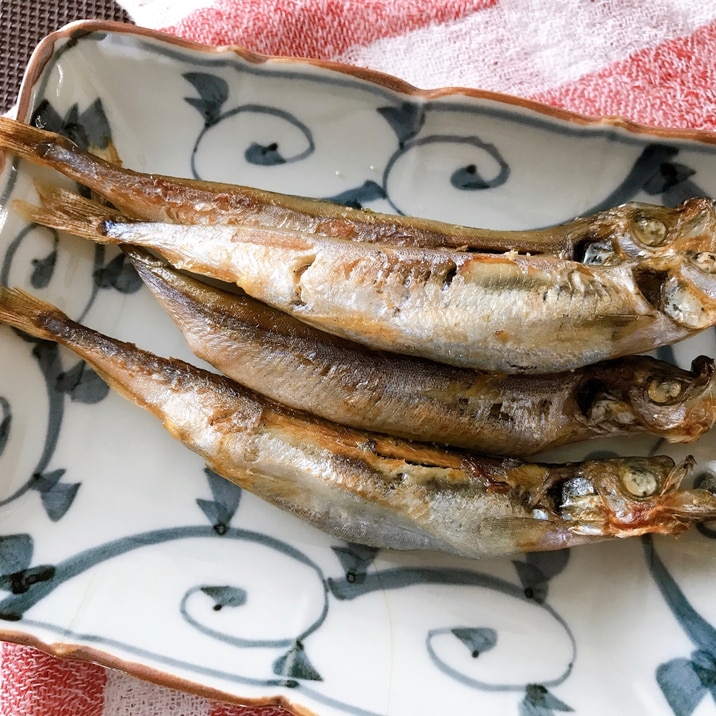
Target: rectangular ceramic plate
{"x":116,"y":545}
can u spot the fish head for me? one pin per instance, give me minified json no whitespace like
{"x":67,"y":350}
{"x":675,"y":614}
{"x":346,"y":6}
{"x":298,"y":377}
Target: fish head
{"x":670,"y":252}
{"x":638,"y":231}
{"x":626,"y":497}
{"x":643,"y":393}
{"x":667,"y":400}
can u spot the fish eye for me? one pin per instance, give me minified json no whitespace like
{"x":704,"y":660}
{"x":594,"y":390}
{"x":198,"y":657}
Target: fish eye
{"x":664,"y":391}
{"x":650,"y":231}
{"x":639,"y":483}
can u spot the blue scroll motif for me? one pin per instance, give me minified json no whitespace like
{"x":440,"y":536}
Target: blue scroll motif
{"x":655,"y":172}
{"x":213,"y":94}
{"x":684,"y":681}
{"x":535,"y":572}
{"x":28,"y":584}
{"x":90,"y":130}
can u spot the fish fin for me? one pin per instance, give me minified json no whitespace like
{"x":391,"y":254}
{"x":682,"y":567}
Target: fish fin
{"x":27,"y":141}
{"x":37,"y":145}
{"x":627,"y":325}
{"x":66,"y":211}
{"x":30,"y":314}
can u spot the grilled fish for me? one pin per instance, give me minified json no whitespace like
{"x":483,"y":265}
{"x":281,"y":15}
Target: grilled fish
{"x":617,"y":234}
{"x":369,"y":489}
{"x":304,"y":368}
{"x":501,"y":312}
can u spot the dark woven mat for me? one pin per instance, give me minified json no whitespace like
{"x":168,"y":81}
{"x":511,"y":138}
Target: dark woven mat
{"x":23,"y":23}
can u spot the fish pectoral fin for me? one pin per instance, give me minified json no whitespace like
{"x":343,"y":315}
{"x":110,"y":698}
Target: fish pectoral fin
{"x":627,"y":324}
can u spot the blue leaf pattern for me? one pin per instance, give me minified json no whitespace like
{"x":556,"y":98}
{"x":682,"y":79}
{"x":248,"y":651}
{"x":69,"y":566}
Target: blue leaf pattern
{"x":477,"y":639}
{"x":266,"y":156}
{"x":358,"y":197}
{"x":118,"y":274}
{"x":538,"y":701}
{"x":295,"y":664}
{"x":685,"y":682}
{"x":42,"y":270}
{"x":681,"y":685}
{"x":213,"y":92}
{"x":15,"y":552}
{"x":222,"y":508}
{"x":405,"y":120}
{"x":58,"y":499}
{"x":225,"y":596}
{"x":82,"y":384}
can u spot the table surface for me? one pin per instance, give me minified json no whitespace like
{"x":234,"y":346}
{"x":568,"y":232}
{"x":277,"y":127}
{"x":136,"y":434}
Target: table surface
{"x":25,"y":22}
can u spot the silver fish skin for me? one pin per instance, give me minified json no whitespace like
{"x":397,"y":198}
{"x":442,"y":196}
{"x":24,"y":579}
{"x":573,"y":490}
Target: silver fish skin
{"x":621,"y":233}
{"x":310,"y":370}
{"x":379,"y":491}
{"x":501,"y":312}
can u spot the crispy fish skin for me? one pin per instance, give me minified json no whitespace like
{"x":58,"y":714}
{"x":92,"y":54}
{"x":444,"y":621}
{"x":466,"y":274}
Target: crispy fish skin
{"x":299,"y":366}
{"x":501,"y":312}
{"x":373,"y":490}
{"x":621,"y":233}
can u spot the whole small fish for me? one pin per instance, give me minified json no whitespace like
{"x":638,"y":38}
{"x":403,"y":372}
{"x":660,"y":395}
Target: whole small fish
{"x":373,"y":490}
{"x":616,"y":234}
{"x":310,"y":370}
{"x":501,"y":312}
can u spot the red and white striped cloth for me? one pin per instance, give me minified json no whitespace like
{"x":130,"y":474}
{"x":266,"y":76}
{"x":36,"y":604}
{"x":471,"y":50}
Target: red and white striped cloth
{"x":652,"y":61}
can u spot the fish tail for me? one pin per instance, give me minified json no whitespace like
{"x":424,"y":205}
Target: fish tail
{"x":40,"y":146}
{"x":31,"y":315}
{"x":67,"y":211}
{"x":27,"y":141}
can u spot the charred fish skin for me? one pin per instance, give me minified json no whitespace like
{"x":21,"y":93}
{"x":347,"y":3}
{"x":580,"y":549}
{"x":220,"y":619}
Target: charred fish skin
{"x":369,"y":489}
{"x":622,"y":233}
{"x":499,"y":312}
{"x":310,"y":370}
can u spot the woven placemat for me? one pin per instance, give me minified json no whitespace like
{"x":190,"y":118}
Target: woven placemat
{"x":23,"y":23}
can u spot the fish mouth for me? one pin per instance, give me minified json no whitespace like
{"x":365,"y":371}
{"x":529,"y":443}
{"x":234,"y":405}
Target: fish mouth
{"x":687,"y":294}
{"x":655,"y":396}
{"x":694,"y":505}
{"x":675,"y":270}
{"x":700,"y":398}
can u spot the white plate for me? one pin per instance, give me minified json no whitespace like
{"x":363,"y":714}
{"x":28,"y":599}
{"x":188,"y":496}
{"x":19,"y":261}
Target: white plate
{"x":117,"y":546}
